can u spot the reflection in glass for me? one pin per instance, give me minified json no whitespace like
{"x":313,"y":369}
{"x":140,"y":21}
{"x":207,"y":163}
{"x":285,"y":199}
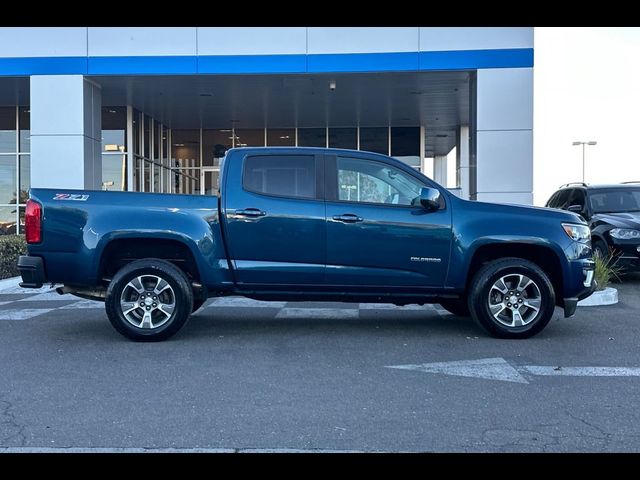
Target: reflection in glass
{"x":249,"y":137}
{"x":24,"y":122}
{"x":405,"y":145}
{"x":114,"y":172}
{"x":281,"y":137}
{"x":8,"y":220}
{"x":215,"y":144}
{"x":7,"y":129}
{"x":25,"y":177}
{"x":373,"y":182}
{"x":136,"y":132}
{"x":343,"y":138}
{"x":312,"y":137}
{"x":8,"y":178}
{"x":114,"y":128}
{"x":21,"y":220}
{"x":146,"y":137}
{"x":375,"y":139}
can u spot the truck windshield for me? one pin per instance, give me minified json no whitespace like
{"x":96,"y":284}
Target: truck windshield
{"x":615,"y":200}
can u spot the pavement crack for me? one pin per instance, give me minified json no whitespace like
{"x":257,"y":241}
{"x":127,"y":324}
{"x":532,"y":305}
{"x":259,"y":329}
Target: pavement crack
{"x":9,"y":422}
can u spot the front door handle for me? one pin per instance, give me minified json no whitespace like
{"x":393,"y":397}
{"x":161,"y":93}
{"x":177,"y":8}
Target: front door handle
{"x":251,"y":212}
{"x":348,"y":218}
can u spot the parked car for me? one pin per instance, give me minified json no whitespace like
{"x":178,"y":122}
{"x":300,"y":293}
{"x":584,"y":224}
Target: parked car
{"x":294,"y":224}
{"x":613,"y":213}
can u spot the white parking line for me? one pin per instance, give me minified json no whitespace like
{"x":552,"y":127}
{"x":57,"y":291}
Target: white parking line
{"x":50,"y":296}
{"x":23,"y":313}
{"x":165,"y":450}
{"x":243,"y":302}
{"x":318,"y":313}
{"x":391,"y":306}
{"x":84,"y":304}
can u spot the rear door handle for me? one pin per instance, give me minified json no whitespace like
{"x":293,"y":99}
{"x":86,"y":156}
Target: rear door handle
{"x":251,"y":212}
{"x":348,"y":218}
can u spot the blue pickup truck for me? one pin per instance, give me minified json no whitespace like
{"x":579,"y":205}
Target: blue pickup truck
{"x":293,"y":224}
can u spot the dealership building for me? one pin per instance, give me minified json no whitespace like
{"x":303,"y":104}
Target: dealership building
{"x":154,"y":109}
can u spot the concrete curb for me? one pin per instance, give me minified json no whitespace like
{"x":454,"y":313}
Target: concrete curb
{"x":9,"y":283}
{"x":608,"y":296}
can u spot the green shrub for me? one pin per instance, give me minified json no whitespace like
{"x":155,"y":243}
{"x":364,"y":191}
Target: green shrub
{"x":606,"y":269}
{"x":11,"y":247}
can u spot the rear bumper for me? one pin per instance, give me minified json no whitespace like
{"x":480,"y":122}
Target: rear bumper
{"x":32,"y":271}
{"x":584,"y":271}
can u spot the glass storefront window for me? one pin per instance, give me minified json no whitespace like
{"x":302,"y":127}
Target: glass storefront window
{"x":8,"y":130}
{"x":25,"y":177}
{"x":7,"y":179}
{"x":114,"y":172}
{"x":114,"y":129}
{"x":375,"y":139}
{"x":249,"y":137}
{"x":343,"y":138}
{"x":8,"y":220}
{"x":312,"y":137}
{"x":405,"y":145}
{"x":146,"y":137}
{"x":24,"y":123}
{"x":136,"y":132}
{"x":215,"y":144}
{"x":281,"y":137}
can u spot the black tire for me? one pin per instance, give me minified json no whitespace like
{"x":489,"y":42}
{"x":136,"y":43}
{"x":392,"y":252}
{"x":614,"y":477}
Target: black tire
{"x":479,"y":298}
{"x":600,"y":248}
{"x":180,"y":295}
{"x":457,"y":306}
{"x":197,"y":303}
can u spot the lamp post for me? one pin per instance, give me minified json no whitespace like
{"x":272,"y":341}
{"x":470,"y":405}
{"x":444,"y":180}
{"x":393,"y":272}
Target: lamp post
{"x":583,"y":145}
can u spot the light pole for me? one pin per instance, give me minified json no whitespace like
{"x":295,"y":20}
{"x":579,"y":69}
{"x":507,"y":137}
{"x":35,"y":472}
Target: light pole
{"x":583,"y":145}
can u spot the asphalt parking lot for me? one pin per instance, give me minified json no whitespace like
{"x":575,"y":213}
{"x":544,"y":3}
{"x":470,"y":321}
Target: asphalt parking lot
{"x":246,"y":375}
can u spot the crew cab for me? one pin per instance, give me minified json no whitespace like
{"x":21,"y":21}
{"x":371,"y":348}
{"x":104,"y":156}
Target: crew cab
{"x":297,"y":224}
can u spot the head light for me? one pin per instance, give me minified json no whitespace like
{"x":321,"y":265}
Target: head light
{"x":579,"y":233}
{"x":625,"y":233}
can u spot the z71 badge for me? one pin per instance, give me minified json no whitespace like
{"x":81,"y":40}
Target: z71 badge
{"x":71,"y":196}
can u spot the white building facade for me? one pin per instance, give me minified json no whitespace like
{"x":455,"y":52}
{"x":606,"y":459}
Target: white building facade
{"x":154,"y":109}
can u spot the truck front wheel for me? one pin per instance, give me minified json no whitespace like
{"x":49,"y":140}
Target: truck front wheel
{"x":149,"y":300}
{"x":511,"y":298}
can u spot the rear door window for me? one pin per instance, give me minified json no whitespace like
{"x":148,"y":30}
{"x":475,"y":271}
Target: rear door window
{"x":291,"y":176}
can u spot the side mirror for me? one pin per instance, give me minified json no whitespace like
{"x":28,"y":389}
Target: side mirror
{"x":430,"y":198}
{"x":575,"y":208}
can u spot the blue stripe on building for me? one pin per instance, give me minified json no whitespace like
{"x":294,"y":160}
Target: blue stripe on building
{"x":257,"y":64}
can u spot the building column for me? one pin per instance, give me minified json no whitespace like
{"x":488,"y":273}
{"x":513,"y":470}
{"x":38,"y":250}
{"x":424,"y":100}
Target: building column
{"x":504,"y":148}
{"x":462,"y":161}
{"x":66,"y":132}
{"x":440,"y":169}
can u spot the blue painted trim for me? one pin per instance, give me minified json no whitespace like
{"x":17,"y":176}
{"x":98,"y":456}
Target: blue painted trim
{"x":43,"y":66}
{"x":363,"y":62}
{"x":165,"y":65}
{"x":257,"y":64}
{"x":475,"y":59}
{"x":252,"y":63}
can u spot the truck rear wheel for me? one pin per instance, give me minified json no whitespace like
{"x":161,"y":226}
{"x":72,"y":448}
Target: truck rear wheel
{"x":149,"y":300}
{"x":511,"y":298}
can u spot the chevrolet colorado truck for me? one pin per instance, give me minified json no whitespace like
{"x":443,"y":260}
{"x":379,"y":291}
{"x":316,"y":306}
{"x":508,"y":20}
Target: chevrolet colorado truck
{"x":307,"y":224}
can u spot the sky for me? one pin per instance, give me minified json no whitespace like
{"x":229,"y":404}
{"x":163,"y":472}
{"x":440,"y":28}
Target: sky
{"x":586,"y":88}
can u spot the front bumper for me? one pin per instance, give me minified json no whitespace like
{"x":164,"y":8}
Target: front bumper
{"x":584,"y":272}
{"x":626,"y":255}
{"x":32,"y":271}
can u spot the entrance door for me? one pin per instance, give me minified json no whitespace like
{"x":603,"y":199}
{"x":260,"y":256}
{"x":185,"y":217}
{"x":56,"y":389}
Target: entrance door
{"x":209,"y":180}
{"x":376,"y":237}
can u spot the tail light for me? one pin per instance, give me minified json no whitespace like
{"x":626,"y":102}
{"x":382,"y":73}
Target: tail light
{"x":33,"y":222}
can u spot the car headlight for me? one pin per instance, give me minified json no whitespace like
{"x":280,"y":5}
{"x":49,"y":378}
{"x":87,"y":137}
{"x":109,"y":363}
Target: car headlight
{"x":579,"y":233}
{"x":625,"y":233}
